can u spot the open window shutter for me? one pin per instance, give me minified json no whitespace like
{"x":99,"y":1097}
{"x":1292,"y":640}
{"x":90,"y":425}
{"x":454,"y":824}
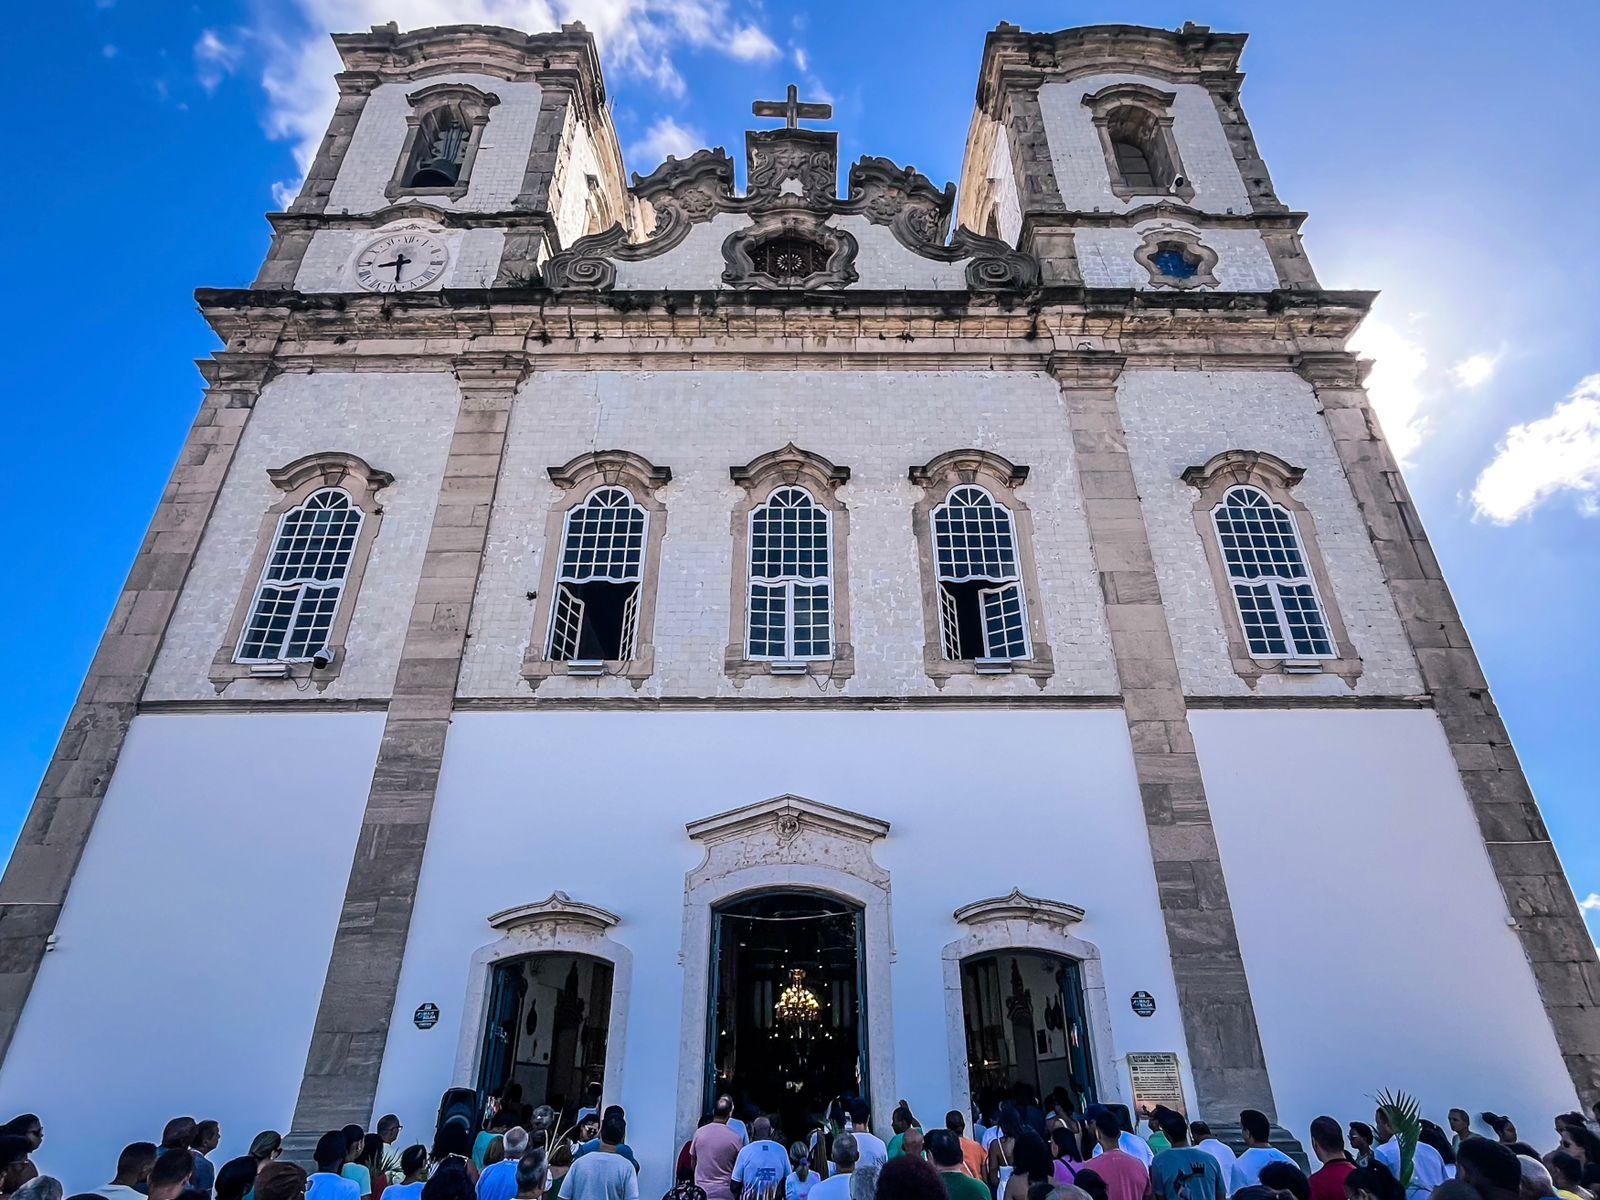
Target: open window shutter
{"x":566,"y":626}
{"x":949,"y":625}
{"x":630,"y":624}
{"x":1004,"y":630}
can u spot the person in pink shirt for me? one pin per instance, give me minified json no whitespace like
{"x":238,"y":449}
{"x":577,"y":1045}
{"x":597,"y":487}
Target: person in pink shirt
{"x":715,"y":1149}
{"x":1126,"y":1178}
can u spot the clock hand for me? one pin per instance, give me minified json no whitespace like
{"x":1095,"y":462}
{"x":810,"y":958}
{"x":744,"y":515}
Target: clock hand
{"x":400,"y":260}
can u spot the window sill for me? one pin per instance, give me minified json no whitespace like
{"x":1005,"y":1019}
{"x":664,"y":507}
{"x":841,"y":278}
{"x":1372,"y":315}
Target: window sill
{"x":741,"y":669}
{"x":225,"y":669}
{"x":995,"y":666}
{"x":399,"y":192}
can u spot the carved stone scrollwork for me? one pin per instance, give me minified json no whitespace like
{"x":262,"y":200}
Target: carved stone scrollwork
{"x":739,"y":247}
{"x":793,"y":190}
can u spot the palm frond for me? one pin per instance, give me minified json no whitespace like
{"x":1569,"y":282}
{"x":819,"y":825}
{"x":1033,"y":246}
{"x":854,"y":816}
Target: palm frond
{"x":1404,"y":1115}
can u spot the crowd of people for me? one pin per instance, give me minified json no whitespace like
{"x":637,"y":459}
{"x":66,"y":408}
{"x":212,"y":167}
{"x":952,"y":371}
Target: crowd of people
{"x":1018,"y":1148}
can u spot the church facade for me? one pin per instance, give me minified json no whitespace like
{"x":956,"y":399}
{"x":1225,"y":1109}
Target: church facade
{"x":839,"y":635}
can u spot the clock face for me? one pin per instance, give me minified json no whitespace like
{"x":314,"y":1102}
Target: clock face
{"x":401,"y":262}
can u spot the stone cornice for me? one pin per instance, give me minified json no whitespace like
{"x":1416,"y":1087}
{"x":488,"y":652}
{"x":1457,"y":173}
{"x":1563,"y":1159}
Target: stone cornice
{"x":565,"y":57}
{"x":1164,"y":210}
{"x":413,"y":210}
{"x":1012,"y":57}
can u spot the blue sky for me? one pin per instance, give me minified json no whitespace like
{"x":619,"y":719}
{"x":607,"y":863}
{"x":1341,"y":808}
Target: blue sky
{"x":1443,"y":151}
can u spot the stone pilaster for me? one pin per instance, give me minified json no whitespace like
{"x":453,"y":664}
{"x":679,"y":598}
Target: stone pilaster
{"x":341,"y":1073}
{"x":37,"y":878}
{"x":1538,"y":895}
{"x":1043,"y":235}
{"x":1219,"y":1019}
{"x":354,"y":88}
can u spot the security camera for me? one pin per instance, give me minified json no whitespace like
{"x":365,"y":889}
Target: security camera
{"x":1177,"y":182}
{"x":323,"y":659}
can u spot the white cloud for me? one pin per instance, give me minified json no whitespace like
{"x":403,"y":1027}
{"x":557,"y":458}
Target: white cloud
{"x":108,"y":51}
{"x":636,"y":37}
{"x":215,"y":58}
{"x":1475,"y":370}
{"x":1590,"y":902}
{"x":1395,"y":384}
{"x":751,"y":44}
{"x":802,"y":60}
{"x":665,"y":137}
{"x":1539,"y":459}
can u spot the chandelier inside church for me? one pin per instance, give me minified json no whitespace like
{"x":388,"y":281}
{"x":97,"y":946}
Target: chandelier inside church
{"x":797,"y":1005}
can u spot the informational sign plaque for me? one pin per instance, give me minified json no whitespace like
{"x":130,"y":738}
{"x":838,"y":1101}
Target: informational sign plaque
{"x":426,"y":1016}
{"x":1156,"y":1080}
{"x":1144,"y":1004}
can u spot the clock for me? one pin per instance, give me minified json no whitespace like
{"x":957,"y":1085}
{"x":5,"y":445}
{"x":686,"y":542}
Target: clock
{"x":401,"y":262}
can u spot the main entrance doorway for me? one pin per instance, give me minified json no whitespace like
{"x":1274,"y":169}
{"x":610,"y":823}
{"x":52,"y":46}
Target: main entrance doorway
{"x":546,"y":1028}
{"x":787,"y":1008}
{"x":1026,"y":1023}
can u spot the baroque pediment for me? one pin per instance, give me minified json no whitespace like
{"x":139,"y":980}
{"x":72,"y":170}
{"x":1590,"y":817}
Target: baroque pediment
{"x":793,"y":184}
{"x":788,"y":831}
{"x":559,"y":909}
{"x":1017,"y":905}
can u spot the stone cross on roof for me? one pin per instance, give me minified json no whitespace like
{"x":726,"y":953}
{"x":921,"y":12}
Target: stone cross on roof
{"x":792,"y":109}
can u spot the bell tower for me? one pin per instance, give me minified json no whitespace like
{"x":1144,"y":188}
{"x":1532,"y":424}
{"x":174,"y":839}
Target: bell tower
{"x":485,"y":150}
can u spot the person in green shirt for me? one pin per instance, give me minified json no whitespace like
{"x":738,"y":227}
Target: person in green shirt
{"x":944,"y":1148}
{"x":902,"y":1122}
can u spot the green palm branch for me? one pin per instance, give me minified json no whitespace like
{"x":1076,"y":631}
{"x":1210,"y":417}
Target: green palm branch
{"x":1404,"y":1115}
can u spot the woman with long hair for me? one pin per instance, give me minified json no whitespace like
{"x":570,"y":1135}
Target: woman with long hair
{"x":1031,"y":1164}
{"x":1003,"y":1149}
{"x":1064,"y":1157}
{"x":371,"y":1157}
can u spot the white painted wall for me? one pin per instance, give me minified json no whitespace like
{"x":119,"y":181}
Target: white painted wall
{"x":1106,"y":257}
{"x":1080,"y":160}
{"x":329,"y":262}
{"x":1372,"y":927}
{"x":195,"y":939}
{"x":881,"y":261}
{"x":1176,"y":419}
{"x":400,"y":423}
{"x":595,"y":803}
{"x":700,"y":423}
{"x":497,"y":171}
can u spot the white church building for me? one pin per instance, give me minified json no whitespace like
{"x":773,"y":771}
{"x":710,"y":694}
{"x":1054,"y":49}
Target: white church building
{"x":787,"y":631}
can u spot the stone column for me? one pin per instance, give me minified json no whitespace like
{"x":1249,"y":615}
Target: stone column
{"x":1219,"y":1018}
{"x":347,"y":1044}
{"x":1537,"y":892}
{"x":36,"y":880}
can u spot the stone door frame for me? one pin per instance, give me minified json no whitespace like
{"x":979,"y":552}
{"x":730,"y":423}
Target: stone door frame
{"x":787,"y":843}
{"x":559,"y":925}
{"x":1019,"y":922}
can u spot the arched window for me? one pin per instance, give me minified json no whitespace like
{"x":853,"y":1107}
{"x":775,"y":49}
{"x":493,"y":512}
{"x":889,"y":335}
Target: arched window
{"x":1135,"y":124}
{"x":595,"y":617}
{"x":1271,"y":581}
{"x":292,"y":613}
{"x":444,"y":132}
{"x":440,"y":150}
{"x":982,"y":612}
{"x":791,"y":588}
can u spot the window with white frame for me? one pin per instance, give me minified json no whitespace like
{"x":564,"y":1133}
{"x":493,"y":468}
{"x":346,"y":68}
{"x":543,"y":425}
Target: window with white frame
{"x":1272,"y":585}
{"x":595,"y":616}
{"x":982,"y":610}
{"x":790,"y":614}
{"x":292,"y":613}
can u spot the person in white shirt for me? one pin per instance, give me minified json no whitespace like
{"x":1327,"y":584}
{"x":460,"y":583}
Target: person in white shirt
{"x":762,"y":1166}
{"x":1258,"y":1153}
{"x":133,"y":1173}
{"x":413,"y":1175}
{"x":1200,"y":1137}
{"x":870,"y":1148}
{"x":326,"y":1182}
{"x":845,"y":1156}
{"x":802,"y":1179}
{"x":1427,"y":1168}
{"x":603,"y":1174}
{"x":734,"y":1123}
